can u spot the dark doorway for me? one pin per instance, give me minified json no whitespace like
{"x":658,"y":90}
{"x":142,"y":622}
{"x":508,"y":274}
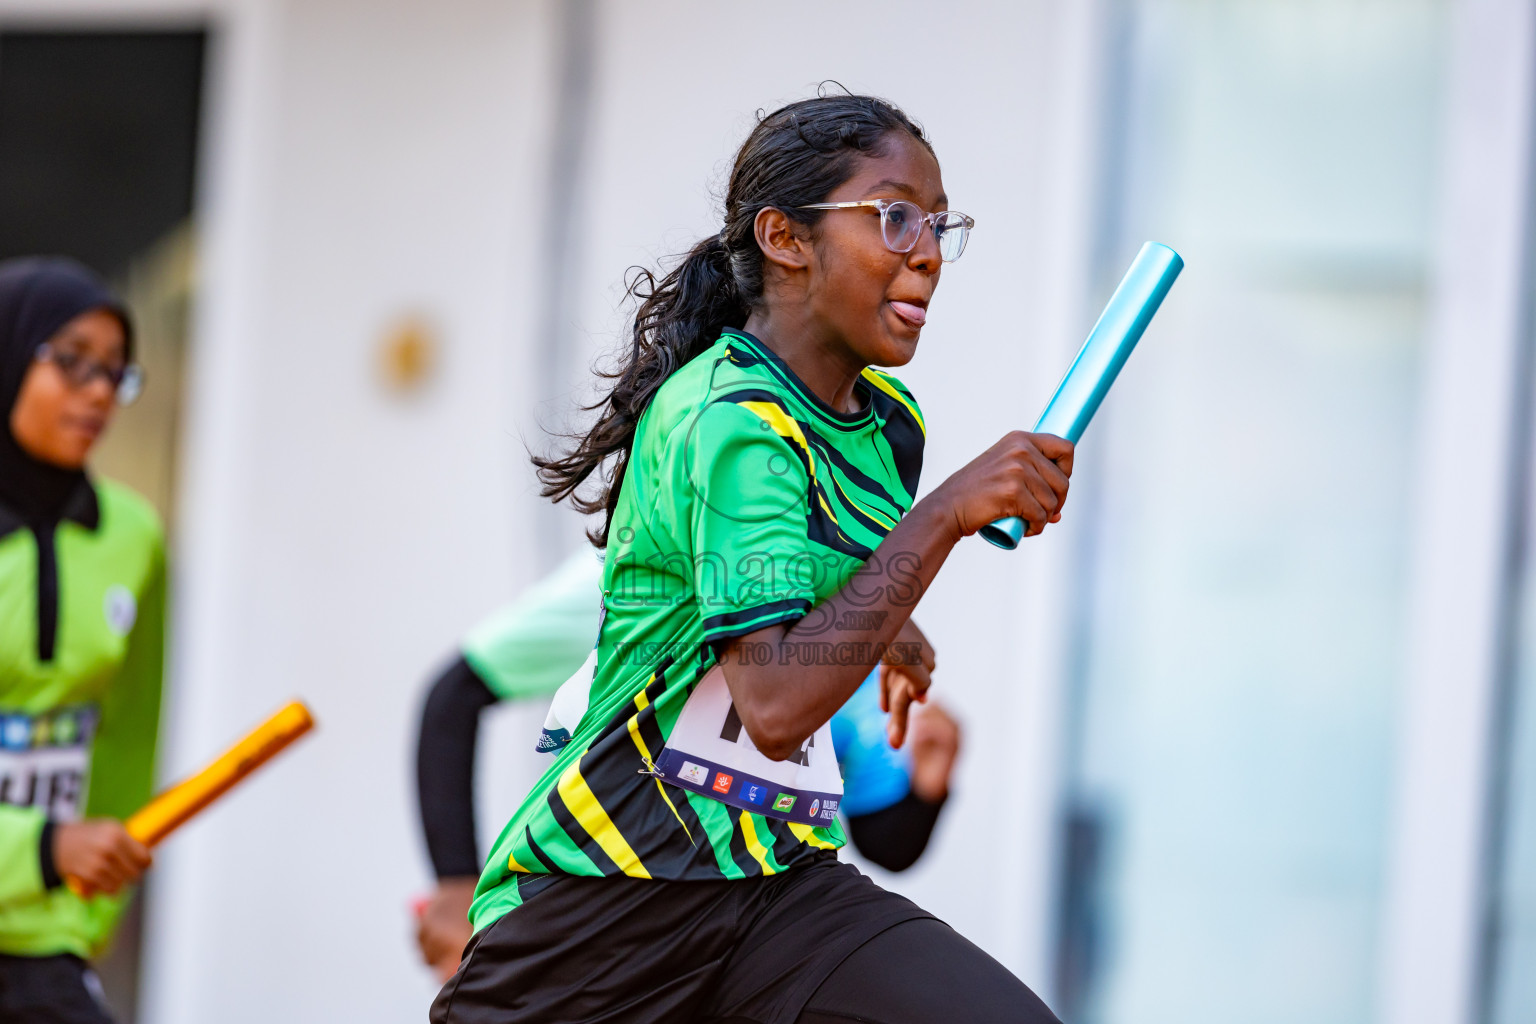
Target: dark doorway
{"x":98,"y":155}
{"x":98,"y":141}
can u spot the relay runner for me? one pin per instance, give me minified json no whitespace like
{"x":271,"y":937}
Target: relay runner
{"x":765,"y":549}
{"x":528,"y":649}
{"x":82,"y":591}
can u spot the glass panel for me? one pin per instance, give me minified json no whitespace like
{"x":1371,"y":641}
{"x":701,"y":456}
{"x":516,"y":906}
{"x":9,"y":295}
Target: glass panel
{"x":1512,"y":996}
{"x":1509,"y":996}
{"x":1243,"y":602}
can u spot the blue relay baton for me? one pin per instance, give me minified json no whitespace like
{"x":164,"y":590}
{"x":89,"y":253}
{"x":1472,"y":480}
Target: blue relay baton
{"x":1098,"y":363}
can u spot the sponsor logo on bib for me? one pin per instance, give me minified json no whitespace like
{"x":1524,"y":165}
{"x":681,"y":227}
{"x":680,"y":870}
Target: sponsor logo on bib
{"x":815,"y":808}
{"x":120,"y":608}
{"x":709,"y":752}
{"x":44,"y":760}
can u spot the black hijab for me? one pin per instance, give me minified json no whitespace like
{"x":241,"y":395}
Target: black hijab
{"x":39,"y":295}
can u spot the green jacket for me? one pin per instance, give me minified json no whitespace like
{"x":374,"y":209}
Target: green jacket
{"x":78,"y":730}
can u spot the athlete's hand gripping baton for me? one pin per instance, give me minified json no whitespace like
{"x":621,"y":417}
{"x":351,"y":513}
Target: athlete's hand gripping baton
{"x":174,"y":807}
{"x":1099,"y":361}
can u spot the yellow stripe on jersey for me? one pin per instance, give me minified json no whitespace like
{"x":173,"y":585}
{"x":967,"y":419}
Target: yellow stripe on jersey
{"x":821,"y":499}
{"x":807,"y":834}
{"x":641,"y":702}
{"x":784,"y":425}
{"x":755,"y":845}
{"x":879,"y":381}
{"x":589,"y":814}
{"x":513,"y":865}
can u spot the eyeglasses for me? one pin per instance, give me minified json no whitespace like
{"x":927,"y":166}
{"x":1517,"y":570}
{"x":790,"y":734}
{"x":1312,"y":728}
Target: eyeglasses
{"x":901,"y":225}
{"x":79,"y":370}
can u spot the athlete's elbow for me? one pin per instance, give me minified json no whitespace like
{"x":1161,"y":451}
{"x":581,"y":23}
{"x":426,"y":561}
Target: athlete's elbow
{"x":773,"y":736}
{"x":779,"y":749}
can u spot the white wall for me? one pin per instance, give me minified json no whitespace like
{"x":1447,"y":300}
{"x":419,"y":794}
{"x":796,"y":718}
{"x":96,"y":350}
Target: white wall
{"x":366,"y":159}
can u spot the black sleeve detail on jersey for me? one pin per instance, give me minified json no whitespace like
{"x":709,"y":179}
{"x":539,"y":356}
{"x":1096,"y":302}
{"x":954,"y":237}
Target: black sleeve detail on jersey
{"x":730,"y":625}
{"x":897,"y":835}
{"x":754,"y":395}
{"x":445,"y":768}
{"x":51,"y":879}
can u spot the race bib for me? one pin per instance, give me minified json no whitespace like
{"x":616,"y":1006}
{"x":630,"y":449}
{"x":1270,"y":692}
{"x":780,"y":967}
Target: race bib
{"x":45,"y":760}
{"x":710,"y":753}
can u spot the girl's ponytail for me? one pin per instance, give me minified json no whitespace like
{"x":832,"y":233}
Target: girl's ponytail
{"x":796,"y":156}
{"x":678,"y":317}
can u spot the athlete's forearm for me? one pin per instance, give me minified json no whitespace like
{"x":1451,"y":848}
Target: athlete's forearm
{"x":787,"y":681}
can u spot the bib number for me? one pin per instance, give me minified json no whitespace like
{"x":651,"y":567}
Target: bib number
{"x":710,"y":753}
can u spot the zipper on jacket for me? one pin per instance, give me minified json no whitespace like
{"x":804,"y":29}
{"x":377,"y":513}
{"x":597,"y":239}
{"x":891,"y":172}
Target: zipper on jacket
{"x":47,"y":592}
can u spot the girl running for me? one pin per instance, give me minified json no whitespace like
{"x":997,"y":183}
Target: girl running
{"x":82,"y":588}
{"x":677,"y":862}
{"x":528,"y":649}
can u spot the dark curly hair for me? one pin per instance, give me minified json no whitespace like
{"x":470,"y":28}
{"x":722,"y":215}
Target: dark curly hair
{"x":795,"y":156}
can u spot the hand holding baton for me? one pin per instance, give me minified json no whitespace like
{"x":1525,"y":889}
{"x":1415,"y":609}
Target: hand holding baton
{"x":174,"y":807}
{"x":1098,"y":362}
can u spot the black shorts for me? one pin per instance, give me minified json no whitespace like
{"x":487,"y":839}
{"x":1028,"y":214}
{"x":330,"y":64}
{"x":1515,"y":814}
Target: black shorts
{"x":747,"y":951}
{"x":50,"y":990}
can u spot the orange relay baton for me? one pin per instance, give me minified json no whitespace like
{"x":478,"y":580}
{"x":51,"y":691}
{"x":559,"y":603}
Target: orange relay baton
{"x":174,"y":807}
{"x":171,"y":809}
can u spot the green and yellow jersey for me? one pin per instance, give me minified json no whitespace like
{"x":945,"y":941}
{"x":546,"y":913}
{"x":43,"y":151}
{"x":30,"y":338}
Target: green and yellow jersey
{"x":79,"y":709}
{"x":747,"y":501}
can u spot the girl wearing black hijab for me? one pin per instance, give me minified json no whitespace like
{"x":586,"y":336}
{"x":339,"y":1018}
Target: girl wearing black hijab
{"x":82,"y":584}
